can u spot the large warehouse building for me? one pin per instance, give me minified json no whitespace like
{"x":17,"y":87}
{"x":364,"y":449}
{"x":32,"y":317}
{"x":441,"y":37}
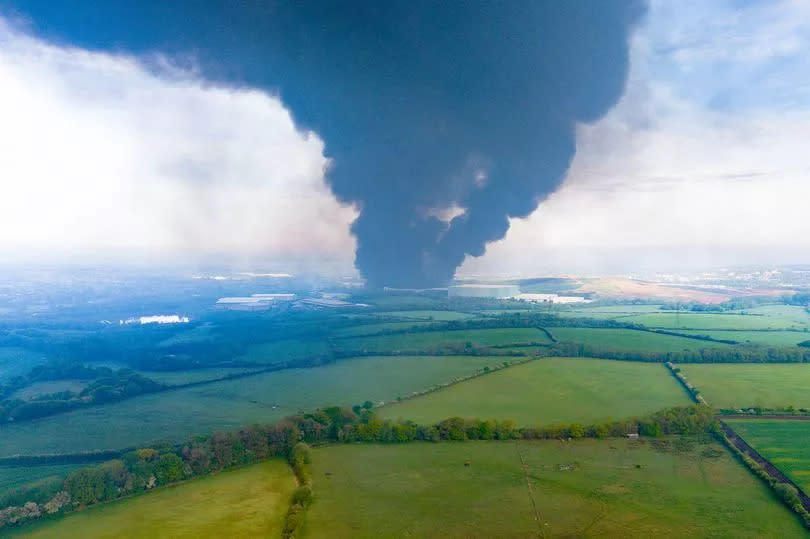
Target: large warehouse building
{"x":484,"y":290}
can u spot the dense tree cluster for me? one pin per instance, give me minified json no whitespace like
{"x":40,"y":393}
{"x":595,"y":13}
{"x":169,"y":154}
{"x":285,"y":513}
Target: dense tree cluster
{"x":113,"y":386}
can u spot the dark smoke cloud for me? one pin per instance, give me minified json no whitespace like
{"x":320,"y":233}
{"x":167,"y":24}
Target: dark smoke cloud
{"x":422,"y":105}
{"x":436,"y":104}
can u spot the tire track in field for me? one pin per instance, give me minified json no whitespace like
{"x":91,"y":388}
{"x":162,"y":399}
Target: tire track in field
{"x":525,"y":467}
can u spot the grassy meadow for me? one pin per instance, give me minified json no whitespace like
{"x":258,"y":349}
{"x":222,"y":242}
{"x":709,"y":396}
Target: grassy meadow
{"x":371,"y":329}
{"x":586,"y":488}
{"x":629,"y":339}
{"x":549,"y":391}
{"x":434,"y":339}
{"x":438,"y":316}
{"x":275,"y":352}
{"x":768,"y":319}
{"x":765,"y":338}
{"x":264,"y":398}
{"x":735,"y":385}
{"x":174,"y":378}
{"x":785,"y":442}
{"x":245,"y":502}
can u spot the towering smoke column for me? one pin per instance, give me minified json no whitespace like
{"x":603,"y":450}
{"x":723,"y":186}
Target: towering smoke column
{"x":429,"y":107}
{"x":425,"y":106}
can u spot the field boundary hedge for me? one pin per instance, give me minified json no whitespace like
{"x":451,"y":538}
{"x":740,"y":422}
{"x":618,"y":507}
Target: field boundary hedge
{"x":783,"y":487}
{"x":693,"y":392}
{"x":459,"y":379}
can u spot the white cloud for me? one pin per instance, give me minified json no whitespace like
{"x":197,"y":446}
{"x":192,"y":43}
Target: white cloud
{"x":99,"y":154}
{"x":666,"y":174}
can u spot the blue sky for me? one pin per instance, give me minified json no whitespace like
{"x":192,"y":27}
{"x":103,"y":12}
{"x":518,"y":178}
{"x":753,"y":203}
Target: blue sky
{"x":702,"y":160}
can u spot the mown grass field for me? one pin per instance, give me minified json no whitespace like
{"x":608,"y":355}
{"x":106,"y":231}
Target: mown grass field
{"x":549,"y":391}
{"x":630,"y":339}
{"x":264,"y":398}
{"x":246,"y":502}
{"x":786,"y":443}
{"x":434,"y":339}
{"x":586,"y":488}
{"x":765,"y":338}
{"x":754,"y":384}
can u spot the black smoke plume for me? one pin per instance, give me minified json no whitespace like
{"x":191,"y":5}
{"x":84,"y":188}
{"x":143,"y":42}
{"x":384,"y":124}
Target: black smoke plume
{"x":423,"y":105}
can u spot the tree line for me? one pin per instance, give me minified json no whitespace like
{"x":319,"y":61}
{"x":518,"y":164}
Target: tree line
{"x":161,"y":464}
{"x":736,"y":354}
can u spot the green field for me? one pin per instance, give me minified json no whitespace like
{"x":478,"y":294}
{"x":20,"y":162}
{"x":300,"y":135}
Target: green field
{"x":751,"y":384}
{"x":765,"y":338}
{"x":272,"y":353}
{"x":246,"y":502}
{"x":436,"y":339}
{"x":771,"y":317}
{"x":618,"y":309}
{"x":371,"y":329}
{"x":587,"y":488}
{"x":16,"y":476}
{"x":200,"y":333}
{"x":427,"y":315}
{"x":264,"y":398}
{"x":763,"y":319}
{"x":630,"y":339}
{"x":785,"y":442}
{"x":174,"y":378}
{"x":549,"y":391}
{"x":789,"y":314}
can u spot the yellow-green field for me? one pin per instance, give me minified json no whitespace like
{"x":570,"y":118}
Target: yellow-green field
{"x":736,"y":385}
{"x":586,"y":488}
{"x":549,"y":391}
{"x":246,"y":502}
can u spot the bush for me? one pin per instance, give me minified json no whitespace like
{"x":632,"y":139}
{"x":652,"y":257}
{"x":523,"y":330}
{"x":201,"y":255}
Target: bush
{"x":302,"y":496}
